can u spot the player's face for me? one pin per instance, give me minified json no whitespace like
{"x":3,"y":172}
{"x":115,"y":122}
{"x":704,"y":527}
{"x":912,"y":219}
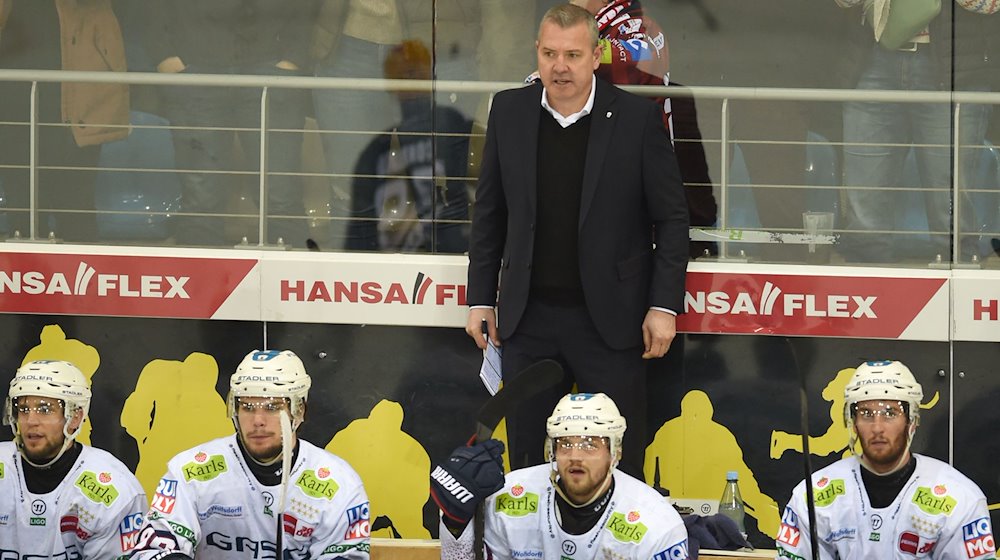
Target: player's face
{"x":882,"y":429}
{"x":260,"y":425}
{"x":40,"y":421}
{"x":566,"y":62}
{"x":583,"y":464}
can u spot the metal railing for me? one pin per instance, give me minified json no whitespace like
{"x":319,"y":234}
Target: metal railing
{"x":724,"y":95}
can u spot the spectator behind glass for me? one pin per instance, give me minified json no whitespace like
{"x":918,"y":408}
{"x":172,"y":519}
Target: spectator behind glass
{"x":636,"y":52}
{"x":878,"y":136}
{"x":408,"y":192}
{"x":68,"y":35}
{"x":266,"y":37}
{"x":483,"y":40}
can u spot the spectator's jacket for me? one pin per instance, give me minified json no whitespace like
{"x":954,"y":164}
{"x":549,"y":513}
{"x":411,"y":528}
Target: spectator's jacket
{"x":91,"y":40}
{"x":939,"y":514}
{"x":95,"y":512}
{"x":635,"y":50}
{"x":395,"y":186}
{"x":209,"y":506}
{"x":522,"y":524}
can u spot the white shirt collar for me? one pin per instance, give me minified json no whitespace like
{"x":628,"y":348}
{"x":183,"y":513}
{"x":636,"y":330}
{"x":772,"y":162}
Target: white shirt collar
{"x":570,"y":119}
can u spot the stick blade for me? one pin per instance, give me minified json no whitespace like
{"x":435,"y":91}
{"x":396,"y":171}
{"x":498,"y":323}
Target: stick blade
{"x":535,"y":379}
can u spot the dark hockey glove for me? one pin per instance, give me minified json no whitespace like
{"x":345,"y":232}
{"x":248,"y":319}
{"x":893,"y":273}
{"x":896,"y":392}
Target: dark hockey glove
{"x":463,"y":481}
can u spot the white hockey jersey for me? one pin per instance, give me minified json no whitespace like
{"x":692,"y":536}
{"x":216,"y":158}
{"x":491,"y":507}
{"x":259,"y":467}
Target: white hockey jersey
{"x":209,"y":505}
{"x":939,"y":514}
{"x":95,"y":512}
{"x":521,"y":523}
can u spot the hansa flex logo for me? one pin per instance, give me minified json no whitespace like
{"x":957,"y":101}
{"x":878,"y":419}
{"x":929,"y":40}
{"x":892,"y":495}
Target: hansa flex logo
{"x":354,"y":291}
{"x":854,"y":306}
{"x":35,"y":282}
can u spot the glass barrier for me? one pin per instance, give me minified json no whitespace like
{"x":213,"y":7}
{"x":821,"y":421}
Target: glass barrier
{"x":357,"y":125}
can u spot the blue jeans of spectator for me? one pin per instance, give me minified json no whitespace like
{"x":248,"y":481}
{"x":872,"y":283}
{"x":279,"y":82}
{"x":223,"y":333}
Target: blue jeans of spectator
{"x":207,"y":117}
{"x":349,"y":119}
{"x":877,"y":138}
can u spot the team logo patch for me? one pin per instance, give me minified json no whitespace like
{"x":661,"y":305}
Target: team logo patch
{"x":166,"y":496}
{"x":934,"y":501}
{"x":128,"y":530}
{"x":296,"y":527}
{"x":317,"y":487}
{"x":979,"y":540}
{"x":519,"y":505}
{"x":827,"y":490}
{"x":97,"y":487}
{"x":622,"y":530}
{"x":358,"y":526}
{"x":204,"y":467}
{"x":677,"y":552}
{"x":71,"y":524}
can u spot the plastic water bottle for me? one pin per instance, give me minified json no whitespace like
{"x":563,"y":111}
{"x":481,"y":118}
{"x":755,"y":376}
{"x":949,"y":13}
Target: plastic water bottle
{"x":731,"y":504}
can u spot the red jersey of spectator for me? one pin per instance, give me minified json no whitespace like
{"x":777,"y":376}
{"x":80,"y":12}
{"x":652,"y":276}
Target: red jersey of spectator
{"x":635,"y":50}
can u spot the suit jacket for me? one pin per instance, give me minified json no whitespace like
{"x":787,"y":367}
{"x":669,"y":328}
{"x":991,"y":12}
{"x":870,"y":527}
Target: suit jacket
{"x":632,"y":195}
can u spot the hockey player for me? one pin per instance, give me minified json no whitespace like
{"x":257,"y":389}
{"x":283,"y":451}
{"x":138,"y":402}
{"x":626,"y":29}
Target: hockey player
{"x":576,"y":506}
{"x":887,"y":502}
{"x":262,"y":492}
{"x":58,"y":497}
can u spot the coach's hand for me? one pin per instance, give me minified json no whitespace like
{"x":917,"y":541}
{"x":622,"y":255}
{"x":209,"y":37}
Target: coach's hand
{"x":467,"y":478}
{"x":474,"y":326}
{"x":658,"y":331}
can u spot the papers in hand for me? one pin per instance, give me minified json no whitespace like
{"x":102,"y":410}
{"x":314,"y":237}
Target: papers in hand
{"x":490,"y":371}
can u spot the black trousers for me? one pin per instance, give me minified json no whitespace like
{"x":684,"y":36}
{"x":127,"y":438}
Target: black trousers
{"x":568,"y":335}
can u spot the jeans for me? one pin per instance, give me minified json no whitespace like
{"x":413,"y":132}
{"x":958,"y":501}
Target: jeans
{"x":204,"y":156}
{"x":877,"y":139}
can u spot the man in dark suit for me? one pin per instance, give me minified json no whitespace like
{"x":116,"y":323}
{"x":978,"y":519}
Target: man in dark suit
{"x":580,"y":220}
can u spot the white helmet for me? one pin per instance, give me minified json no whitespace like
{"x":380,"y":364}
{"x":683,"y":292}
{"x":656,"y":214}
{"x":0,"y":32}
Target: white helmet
{"x":54,"y":379}
{"x":586,"y":414}
{"x":883,"y":380}
{"x":271,"y":373}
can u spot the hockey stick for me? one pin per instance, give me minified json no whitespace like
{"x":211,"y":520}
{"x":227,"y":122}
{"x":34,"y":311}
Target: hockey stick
{"x":806,"y":458}
{"x":534,"y":379}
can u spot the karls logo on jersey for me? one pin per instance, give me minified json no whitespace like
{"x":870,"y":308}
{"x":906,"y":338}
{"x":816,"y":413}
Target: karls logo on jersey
{"x":71,"y":524}
{"x":826,"y":491}
{"x":524,"y":503}
{"x":912,"y":543}
{"x":296,"y":527}
{"x":204,"y":467}
{"x":978,"y":538}
{"x":934,"y":501}
{"x":789,"y":532}
{"x":1,"y":471}
{"x":623,"y":531}
{"x":336,"y":291}
{"x":128,"y":531}
{"x":315,"y":487}
{"x":448,"y":482}
{"x":86,"y":280}
{"x":92,"y":487}
{"x":677,"y":552}
{"x":166,"y":496}
{"x":358,"y":526}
